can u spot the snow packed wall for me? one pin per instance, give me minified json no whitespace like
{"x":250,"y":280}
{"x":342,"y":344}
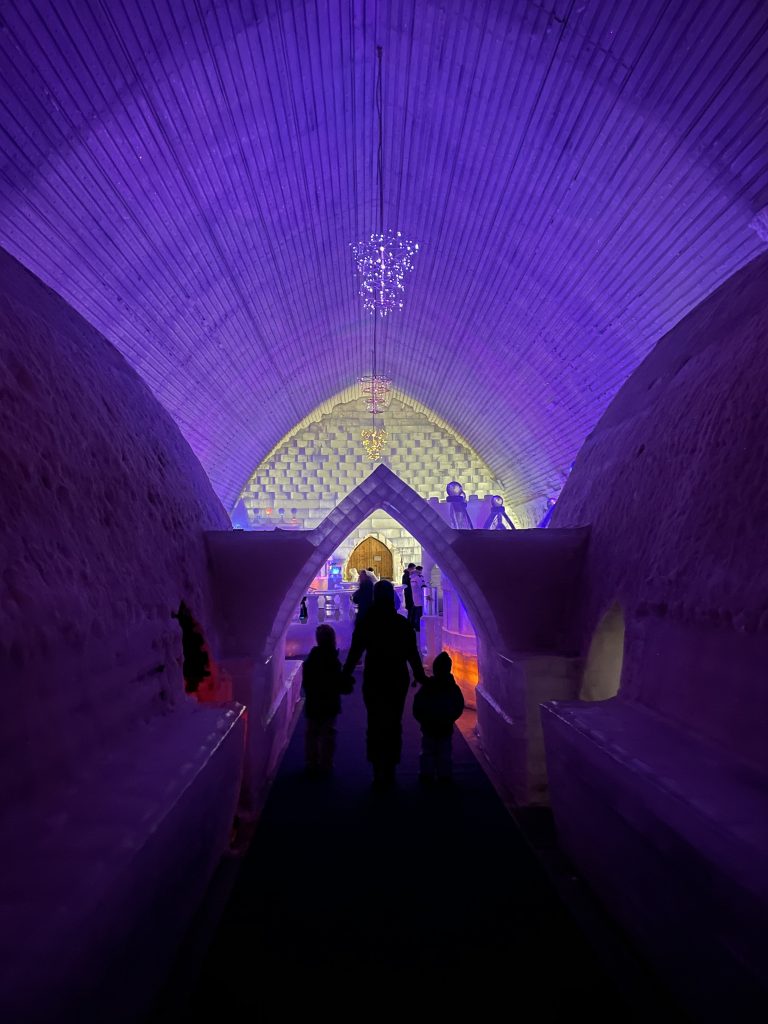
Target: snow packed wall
{"x":102,"y":512}
{"x":674,"y":482}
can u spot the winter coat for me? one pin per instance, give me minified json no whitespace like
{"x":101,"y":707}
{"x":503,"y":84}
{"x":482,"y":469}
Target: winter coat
{"x":418,"y":585}
{"x":363,"y":596}
{"x":389,"y":644}
{"x":407,"y":592}
{"x":437,"y":705}
{"x":322,"y":683}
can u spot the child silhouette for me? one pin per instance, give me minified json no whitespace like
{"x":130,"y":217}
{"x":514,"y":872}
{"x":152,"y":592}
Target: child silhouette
{"x":322,"y":685}
{"x":436,"y":706}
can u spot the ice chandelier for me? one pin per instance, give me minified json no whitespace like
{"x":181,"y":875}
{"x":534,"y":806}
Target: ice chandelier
{"x":382,"y":262}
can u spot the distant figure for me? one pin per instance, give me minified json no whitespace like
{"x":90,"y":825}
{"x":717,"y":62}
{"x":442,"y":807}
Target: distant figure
{"x":437,"y":705}
{"x":372,"y":574}
{"x":303,"y":613}
{"x":418,"y":586}
{"x":363,"y":596}
{"x":407,"y":595}
{"x":389,"y":643}
{"x":322,"y":685}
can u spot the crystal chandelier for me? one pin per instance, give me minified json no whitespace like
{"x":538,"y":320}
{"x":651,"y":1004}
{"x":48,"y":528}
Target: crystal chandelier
{"x":377,"y":391}
{"x":382,"y":262}
{"x":374,"y":442}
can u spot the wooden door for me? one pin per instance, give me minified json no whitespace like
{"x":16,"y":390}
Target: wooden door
{"x":370,"y":553}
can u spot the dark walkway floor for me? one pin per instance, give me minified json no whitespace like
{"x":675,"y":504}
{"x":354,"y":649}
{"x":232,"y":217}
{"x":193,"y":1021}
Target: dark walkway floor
{"x":356,"y":903}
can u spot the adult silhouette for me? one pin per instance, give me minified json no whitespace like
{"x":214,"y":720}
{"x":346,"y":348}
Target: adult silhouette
{"x":363,"y":596}
{"x":389,"y":644}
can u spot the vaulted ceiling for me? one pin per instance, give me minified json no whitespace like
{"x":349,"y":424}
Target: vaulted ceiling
{"x":579,"y":174}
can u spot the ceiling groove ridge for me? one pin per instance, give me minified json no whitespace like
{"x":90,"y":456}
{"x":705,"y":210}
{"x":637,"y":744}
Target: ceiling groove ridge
{"x":337,"y":230}
{"x":577,"y":183}
{"x":412,"y":229}
{"x":86,"y":300}
{"x":349,"y":120}
{"x":638,"y":204}
{"x":435,"y":246}
{"x":559,"y":269}
{"x":702,"y":73}
{"x":364,"y":167}
{"x":188,"y":286}
{"x":472,"y":59}
{"x":391,"y":350}
{"x":299,"y":332}
{"x":534,"y":213}
{"x":157,"y":131}
{"x":403,"y":121}
{"x":240,"y":318}
{"x":328,"y":225}
{"x":472,"y":224}
{"x":453,"y":380}
{"x":240,"y":311}
{"x":248,"y":303}
{"x":162,"y":152}
{"x":515,"y":143}
{"x":316,"y":187}
{"x":241,"y":182}
{"x":251,"y":74}
{"x":472,"y":329}
{"x":635,"y":271}
{"x":668,"y":223}
{"x":93,"y":313}
{"x":491,"y":311}
{"x":429,"y":243}
{"x":390,"y":42}
{"x":525,"y":300}
{"x":302,"y":171}
{"x":70,"y":207}
{"x":244,"y":176}
{"x":710,"y":224}
{"x":369,"y":135}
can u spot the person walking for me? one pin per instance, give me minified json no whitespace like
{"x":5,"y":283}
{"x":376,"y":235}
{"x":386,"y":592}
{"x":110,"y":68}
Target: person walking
{"x":363,"y":596}
{"x":389,"y":645}
{"x":322,"y":684}
{"x":407,"y":595}
{"x":418,"y":586}
{"x":437,"y":705}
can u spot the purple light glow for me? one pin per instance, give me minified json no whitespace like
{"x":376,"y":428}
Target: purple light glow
{"x":382,"y":263}
{"x":192,"y":190}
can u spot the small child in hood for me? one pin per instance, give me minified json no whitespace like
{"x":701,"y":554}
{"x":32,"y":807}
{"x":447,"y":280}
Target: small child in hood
{"x":436,"y":706}
{"x":322,"y":684}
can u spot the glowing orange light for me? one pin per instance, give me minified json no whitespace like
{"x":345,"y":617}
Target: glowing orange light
{"x":464,"y":666}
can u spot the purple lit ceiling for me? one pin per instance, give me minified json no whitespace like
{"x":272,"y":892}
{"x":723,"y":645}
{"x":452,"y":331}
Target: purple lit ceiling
{"x":578,"y":174}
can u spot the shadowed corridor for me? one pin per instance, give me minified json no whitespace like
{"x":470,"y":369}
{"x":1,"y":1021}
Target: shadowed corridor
{"x":362,"y":902}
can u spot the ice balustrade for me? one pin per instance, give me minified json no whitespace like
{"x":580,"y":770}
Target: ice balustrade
{"x":338,"y":606}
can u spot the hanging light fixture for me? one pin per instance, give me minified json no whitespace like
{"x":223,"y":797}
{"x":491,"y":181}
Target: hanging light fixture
{"x":382,"y":261}
{"x":377,"y":391}
{"x":374,"y":442}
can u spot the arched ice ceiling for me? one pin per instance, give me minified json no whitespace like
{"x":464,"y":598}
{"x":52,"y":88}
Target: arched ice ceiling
{"x":189,"y":175}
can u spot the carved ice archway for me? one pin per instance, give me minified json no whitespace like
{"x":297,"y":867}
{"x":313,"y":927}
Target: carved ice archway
{"x":382,"y":489}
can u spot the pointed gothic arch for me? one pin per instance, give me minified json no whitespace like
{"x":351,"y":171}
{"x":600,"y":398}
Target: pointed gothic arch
{"x":384,"y":490}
